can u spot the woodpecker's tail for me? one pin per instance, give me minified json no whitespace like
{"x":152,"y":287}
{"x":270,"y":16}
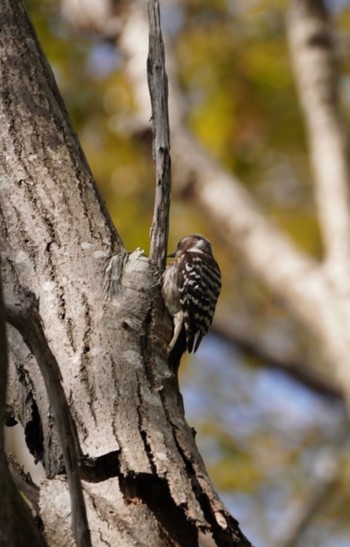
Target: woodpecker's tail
{"x":177,"y":351}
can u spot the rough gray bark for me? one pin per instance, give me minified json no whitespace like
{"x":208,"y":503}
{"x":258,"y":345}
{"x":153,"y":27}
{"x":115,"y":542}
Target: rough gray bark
{"x":16,"y":524}
{"x":26,"y":320}
{"x":102,"y":314}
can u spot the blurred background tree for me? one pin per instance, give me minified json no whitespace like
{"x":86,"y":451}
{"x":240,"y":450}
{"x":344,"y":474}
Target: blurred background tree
{"x":271,"y":422}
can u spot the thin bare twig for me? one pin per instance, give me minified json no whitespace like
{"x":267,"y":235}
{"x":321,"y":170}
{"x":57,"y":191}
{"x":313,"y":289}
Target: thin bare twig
{"x":27,"y":321}
{"x":158,"y":88}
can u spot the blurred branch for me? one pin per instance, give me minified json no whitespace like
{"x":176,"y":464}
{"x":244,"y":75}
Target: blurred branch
{"x":99,"y":17}
{"x":251,"y":344}
{"x":158,"y":87}
{"x":312,"y":52}
{"x":321,"y":493}
{"x":27,"y":321}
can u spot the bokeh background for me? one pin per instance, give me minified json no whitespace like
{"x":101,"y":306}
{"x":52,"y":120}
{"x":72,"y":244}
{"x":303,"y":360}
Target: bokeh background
{"x":275,"y":445}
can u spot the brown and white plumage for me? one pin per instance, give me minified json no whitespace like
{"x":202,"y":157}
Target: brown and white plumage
{"x":191,"y":287}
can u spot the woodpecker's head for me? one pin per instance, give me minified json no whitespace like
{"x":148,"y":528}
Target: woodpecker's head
{"x":193,"y":243}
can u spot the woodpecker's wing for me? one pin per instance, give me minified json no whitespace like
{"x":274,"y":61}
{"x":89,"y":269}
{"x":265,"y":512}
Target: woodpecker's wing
{"x":199,"y":288}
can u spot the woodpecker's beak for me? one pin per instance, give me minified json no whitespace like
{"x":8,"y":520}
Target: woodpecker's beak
{"x":172,"y":255}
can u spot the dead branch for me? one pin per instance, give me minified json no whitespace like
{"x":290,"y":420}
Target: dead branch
{"x":158,"y":88}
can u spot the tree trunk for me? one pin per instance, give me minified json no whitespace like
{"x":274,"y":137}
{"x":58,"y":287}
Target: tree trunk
{"x":104,"y":319}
